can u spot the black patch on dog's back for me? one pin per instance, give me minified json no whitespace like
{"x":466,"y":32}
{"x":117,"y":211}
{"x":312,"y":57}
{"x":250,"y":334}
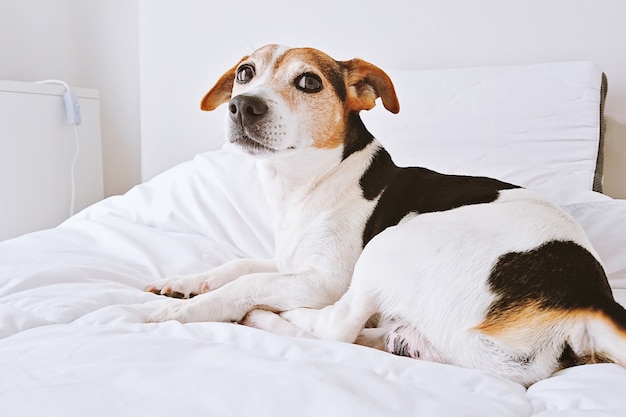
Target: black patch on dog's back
{"x":418,"y":190}
{"x":556,"y":275}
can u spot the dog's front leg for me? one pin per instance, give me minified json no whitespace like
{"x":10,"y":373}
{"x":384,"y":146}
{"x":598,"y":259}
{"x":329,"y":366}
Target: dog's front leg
{"x":270,"y":291}
{"x":191,"y":285}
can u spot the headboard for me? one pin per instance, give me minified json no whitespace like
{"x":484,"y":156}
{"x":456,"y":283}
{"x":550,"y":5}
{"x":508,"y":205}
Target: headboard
{"x":546,"y":118}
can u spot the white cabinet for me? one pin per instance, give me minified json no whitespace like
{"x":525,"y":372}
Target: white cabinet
{"x":37,"y":148}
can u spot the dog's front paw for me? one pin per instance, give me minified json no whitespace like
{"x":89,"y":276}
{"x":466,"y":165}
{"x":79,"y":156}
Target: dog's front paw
{"x":179,"y":287}
{"x":173,"y":311}
{"x":204,"y":307}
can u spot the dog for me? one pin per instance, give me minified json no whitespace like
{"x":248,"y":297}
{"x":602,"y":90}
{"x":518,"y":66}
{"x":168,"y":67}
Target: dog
{"x":469,"y":271}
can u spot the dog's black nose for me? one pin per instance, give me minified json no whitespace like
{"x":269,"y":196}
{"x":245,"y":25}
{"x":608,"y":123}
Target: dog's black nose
{"x":247,"y":109}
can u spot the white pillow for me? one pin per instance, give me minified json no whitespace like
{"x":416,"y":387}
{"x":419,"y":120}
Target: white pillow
{"x":533,"y":125}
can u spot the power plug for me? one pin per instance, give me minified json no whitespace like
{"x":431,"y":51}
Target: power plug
{"x":72,"y":108}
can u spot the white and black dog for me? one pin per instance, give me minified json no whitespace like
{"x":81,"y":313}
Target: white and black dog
{"x":469,"y":271}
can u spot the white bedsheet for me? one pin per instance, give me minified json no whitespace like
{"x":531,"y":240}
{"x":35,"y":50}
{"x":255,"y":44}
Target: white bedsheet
{"x":74,"y":341}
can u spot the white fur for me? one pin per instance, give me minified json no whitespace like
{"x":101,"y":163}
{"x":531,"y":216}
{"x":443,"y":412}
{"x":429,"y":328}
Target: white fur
{"x":318,"y":205}
{"x":431,"y":272}
{"x":319,"y":212}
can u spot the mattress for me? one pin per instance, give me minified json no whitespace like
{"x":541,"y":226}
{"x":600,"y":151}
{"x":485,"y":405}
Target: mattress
{"x":74,"y":338}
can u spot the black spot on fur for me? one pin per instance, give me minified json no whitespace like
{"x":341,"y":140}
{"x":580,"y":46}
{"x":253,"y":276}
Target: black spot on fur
{"x":418,"y":190}
{"x":569,"y":358}
{"x":401,"y":348}
{"x":556,"y":275}
{"x":335,"y":77}
{"x":617,"y":312}
{"x":358,"y":137}
{"x":378,"y":175}
{"x":398,"y":345}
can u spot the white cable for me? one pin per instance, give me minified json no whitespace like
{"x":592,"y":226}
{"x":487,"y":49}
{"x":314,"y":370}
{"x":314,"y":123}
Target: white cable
{"x":76,"y":152}
{"x":63,"y":83}
{"x":73,"y":173}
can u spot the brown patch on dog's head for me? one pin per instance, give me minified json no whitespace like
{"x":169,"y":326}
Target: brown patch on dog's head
{"x":221,"y":91}
{"x":308,"y":94}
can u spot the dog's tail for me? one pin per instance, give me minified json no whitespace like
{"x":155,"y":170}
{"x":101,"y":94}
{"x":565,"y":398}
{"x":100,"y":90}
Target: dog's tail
{"x":605,"y":335}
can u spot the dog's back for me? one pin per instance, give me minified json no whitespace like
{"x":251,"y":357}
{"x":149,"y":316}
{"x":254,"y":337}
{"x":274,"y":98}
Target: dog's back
{"x":512,"y":286}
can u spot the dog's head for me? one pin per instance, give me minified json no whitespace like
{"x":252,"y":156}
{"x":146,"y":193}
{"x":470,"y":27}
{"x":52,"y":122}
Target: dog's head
{"x":283,"y":99}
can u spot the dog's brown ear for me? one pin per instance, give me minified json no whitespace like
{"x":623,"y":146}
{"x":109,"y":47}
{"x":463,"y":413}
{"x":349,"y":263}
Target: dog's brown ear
{"x":221,"y":91}
{"x":367,"y":82}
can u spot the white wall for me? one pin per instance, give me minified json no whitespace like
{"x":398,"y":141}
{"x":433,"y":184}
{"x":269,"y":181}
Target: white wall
{"x":87,"y":43}
{"x":185,"y":46}
{"x":152,"y":60}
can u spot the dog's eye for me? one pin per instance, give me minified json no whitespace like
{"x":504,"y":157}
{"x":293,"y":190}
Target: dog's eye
{"x":309,"y":83}
{"x":245,"y":73}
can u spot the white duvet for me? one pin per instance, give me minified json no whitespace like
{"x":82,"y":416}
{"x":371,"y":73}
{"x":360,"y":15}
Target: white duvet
{"x":74,"y":341}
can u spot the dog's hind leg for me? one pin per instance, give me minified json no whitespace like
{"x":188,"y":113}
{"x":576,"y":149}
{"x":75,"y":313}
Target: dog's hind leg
{"x":374,"y":337}
{"x":342,"y":321}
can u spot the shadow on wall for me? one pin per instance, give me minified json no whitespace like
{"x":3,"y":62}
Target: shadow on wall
{"x":614,"y":159}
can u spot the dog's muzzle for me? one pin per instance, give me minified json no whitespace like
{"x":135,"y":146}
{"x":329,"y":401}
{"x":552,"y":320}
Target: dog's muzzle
{"x":247,"y":116}
{"x":247,"y":110}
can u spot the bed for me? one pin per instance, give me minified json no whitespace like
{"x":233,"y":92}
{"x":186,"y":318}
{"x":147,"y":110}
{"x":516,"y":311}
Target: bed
{"x":73,"y":334}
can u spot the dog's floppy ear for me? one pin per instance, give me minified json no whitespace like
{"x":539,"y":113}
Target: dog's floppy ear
{"x":367,"y":82}
{"x":221,"y":91}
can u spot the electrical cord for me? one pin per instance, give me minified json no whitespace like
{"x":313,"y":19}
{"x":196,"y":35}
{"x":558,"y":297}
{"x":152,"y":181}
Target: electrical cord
{"x":73,"y":118}
{"x":73,"y":172}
